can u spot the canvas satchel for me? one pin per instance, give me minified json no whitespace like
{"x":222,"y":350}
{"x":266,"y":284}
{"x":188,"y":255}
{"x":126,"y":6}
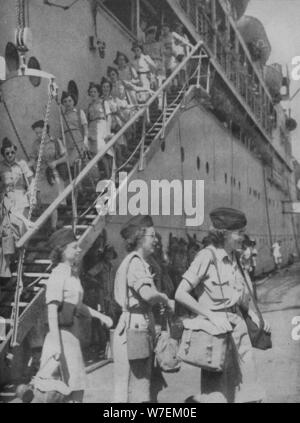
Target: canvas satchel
{"x":166,"y":351}
{"x":139,"y":341}
{"x":202,"y":348}
{"x":260,"y":339}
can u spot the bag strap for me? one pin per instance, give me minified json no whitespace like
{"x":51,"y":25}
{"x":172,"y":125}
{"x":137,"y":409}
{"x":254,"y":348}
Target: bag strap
{"x":215,"y":262}
{"x":71,"y":133}
{"x":261,"y":320}
{"x":127,"y":286}
{"x":24,"y":176}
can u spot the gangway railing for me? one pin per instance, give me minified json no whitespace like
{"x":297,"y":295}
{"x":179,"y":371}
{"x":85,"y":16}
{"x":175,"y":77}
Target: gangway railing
{"x":142,"y":113}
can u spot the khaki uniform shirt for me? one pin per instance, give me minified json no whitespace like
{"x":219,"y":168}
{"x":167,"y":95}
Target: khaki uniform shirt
{"x":203,"y":278}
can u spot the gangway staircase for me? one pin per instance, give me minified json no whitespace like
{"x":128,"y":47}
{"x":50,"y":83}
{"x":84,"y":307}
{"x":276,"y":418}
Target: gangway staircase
{"x":149,"y":125}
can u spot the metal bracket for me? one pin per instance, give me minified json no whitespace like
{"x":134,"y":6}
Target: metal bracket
{"x":48,"y":3}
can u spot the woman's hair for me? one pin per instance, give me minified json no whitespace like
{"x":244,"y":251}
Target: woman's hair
{"x":40,"y":124}
{"x":132,"y":241}
{"x":56,"y":255}
{"x":67,"y":94}
{"x":105,"y":81}
{"x":215,"y":237}
{"x":93,"y":85}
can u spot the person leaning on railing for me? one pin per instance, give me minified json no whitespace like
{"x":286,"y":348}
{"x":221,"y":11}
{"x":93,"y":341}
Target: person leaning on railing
{"x":53,"y":154}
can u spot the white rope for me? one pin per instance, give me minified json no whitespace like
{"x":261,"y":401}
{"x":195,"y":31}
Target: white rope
{"x":40,"y":156}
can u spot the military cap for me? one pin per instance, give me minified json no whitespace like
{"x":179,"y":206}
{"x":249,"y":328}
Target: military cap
{"x":38,"y":124}
{"x":119,"y":53}
{"x":227,"y":218}
{"x":66,"y":94}
{"x":61,"y":238}
{"x":134,"y":224}
{"x":137,"y":44}
{"x":111,"y":69}
{"x":6,"y":143}
{"x":151,"y":29}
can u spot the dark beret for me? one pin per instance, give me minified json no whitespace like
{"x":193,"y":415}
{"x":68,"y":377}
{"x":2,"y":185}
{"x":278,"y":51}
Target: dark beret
{"x":137,"y":44}
{"x":38,"y":124}
{"x":66,"y":94}
{"x":6,"y":143}
{"x":119,"y":53}
{"x":134,"y":224}
{"x":61,"y":238}
{"x":226,"y":218}
{"x":111,"y":69}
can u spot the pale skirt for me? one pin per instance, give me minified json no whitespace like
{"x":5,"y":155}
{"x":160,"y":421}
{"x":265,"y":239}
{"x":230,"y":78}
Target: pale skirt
{"x":72,"y":359}
{"x":97,"y":133}
{"x":132,"y":379}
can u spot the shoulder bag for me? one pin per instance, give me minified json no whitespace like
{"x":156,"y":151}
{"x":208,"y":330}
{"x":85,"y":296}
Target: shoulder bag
{"x":166,"y":351}
{"x":259,"y":338}
{"x":139,"y":341}
{"x":202,"y":349}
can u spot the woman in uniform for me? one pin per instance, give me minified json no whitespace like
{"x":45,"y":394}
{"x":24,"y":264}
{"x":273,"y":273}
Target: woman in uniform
{"x":221,"y":306}
{"x":146,"y":69}
{"x":99,"y":126}
{"x":53,"y":154}
{"x":15,"y":180}
{"x":128,"y":75}
{"x":117,"y":107}
{"x":75,"y":129}
{"x":135,"y":293}
{"x":64,"y":295}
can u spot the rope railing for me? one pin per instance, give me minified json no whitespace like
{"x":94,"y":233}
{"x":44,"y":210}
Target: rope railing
{"x":89,"y":167}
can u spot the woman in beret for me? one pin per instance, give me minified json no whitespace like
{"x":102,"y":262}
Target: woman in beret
{"x":135,"y":293}
{"x":146,"y":68}
{"x":99,"y":125}
{"x":64,"y":295}
{"x":222,"y":305}
{"x":117,"y":107}
{"x":75,"y":129}
{"x":53,"y":154}
{"x":15,"y":180}
{"x":128,"y":75}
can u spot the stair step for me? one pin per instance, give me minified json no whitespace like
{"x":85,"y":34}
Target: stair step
{"x":80,"y":227}
{"x":37,"y":261}
{"x":89,"y":216}
{"x":33,"y":275}
{"x":36,"y":249}
{"x":21,"y":304}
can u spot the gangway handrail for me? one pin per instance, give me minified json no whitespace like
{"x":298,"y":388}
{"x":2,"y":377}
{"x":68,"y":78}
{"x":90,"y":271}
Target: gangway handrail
{"x":47,"y":213}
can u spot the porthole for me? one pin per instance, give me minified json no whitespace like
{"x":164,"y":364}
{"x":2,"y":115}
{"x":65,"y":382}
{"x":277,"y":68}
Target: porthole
{"x":226,"y":178}
{"x":12,"y":57}
{"x":33,"y":63}
{"x":239,"y":186}
{"x":182,"y":154}
{"x":163,"y":146}
{"x":198,"y":163}
{"x":73,"y":89}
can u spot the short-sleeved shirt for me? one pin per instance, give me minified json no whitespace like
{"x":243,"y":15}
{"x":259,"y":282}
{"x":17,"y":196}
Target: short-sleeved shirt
{"x":15,"y":179}
{"x":138,"y":276}
{"x":62,"y":286}
{"x":14,"y":175}
{"x":98,"y":111}
{"x":207,"y":287}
